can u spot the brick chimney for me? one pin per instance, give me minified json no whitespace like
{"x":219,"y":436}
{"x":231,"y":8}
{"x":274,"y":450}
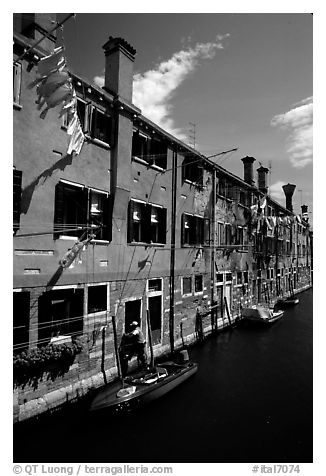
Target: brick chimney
{"x":304,"y":212}
{"x":248,"y":169}
{"x":119,"y":66}
{"x":289,"y":191}
{"x":262,"y":173}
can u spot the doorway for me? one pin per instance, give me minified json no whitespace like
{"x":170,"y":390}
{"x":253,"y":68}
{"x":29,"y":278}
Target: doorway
{"x":132,"y":313}
{"x":155,"y":318}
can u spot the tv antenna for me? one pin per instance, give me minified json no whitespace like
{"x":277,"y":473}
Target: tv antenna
{"x":192,"y":135}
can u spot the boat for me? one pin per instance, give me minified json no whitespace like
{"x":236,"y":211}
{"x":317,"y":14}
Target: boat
{"x":143,"y":387}
{"x":260,"y":314}
{"x":287,"y":301}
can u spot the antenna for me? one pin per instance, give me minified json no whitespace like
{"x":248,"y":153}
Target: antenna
{"x":192,"y":134}
{"x":300,"y":195}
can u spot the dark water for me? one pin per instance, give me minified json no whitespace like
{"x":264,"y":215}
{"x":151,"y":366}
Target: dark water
{"x":251,"y":401}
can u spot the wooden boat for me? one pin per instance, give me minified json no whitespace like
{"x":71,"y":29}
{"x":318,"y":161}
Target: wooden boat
{"x":143,"y":387}
{"x":260,"y":314}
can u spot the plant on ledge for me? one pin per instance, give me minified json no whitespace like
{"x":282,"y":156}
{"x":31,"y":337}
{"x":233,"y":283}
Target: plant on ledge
{"x":29,"y":366}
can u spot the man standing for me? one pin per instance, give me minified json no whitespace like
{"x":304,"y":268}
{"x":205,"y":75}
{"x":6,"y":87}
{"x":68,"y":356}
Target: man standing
{"x":133,"y":343}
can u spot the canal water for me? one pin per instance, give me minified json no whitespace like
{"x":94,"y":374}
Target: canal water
{"x":250,"y":401}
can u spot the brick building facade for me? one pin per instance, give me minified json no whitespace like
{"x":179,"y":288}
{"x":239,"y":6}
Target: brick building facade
{"x":174,"y":232}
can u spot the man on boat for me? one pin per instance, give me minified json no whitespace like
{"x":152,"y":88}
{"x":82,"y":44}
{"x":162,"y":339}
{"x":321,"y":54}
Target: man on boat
{"x":133,"y":343}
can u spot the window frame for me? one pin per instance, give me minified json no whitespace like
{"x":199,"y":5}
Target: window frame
{"x":146,"y":224}
{"x":182,"y":286}
{"x":196,"y":293}
{"x":93,"y":112}
{"x":150,"y":146}
{"x":191,"y":172}
{"x":198,"y":230}
{"x":61,"y":210}
{"x":46,"y":309}
{"x":104,"y":311}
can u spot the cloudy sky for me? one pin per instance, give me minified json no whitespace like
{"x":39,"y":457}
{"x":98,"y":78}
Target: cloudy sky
{"x":243,"y":79}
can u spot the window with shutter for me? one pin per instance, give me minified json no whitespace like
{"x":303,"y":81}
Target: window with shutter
{"x":101,"y":126}
{"x":17,"y":82}
{"x":192,"y":171}
{"x":21,"y":313}
{"x":17,"y":191}
{"x":60,"y":313}
{"x":186,"y":285}
{"x":78,"y":209}
{"x":146,"y":223}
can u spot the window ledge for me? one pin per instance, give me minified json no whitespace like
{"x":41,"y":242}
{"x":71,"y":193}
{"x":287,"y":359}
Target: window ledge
{"x":195,"y":184}
{"x":100,"y":242}
{"x":17,"y":106}
{"x":151,"y":166}
{"x":142,"y":243}
{"x":98,"y":142}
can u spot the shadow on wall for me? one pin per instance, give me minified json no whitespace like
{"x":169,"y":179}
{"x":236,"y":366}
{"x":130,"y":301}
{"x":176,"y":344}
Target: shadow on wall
{"x":27,"y":192}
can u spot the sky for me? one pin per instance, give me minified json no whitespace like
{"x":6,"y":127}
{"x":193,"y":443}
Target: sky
{"x":244,"y":79}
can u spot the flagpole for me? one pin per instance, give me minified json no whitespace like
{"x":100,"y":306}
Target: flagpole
{"x":58,"y":25}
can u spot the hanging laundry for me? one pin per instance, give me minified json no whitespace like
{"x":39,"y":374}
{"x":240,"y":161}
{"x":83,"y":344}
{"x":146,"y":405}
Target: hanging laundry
{"x":262,"y":202}
{"x":54,"y":88}
{"x":77,"y":138}
{"x":53,"y":62}
{"x":268,"y":223}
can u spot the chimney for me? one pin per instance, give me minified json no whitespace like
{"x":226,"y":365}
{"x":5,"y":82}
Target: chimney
{"x":262,"y":172}
{"x":288,"y":191}
{"x":248,"y":169}
{"x":304,"y":212}
{"x":119,"y":59}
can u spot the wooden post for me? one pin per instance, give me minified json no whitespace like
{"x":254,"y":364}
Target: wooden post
{"x":150,"y":338}
{"x":116,"y":347}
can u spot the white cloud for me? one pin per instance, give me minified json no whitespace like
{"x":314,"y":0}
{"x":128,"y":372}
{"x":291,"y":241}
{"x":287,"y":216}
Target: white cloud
{"x":153,"y":90}
{"x":298,"y":121}
{"x":276,"y":190}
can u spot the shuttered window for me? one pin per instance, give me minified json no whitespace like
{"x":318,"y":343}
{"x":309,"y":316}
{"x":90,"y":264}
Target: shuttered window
{"x":17,"y":82}
{"x":195,"y":230}
{"x":146,"y":223}
{"x":101,"y":126}
{"x":60,"y":313}
{"x":151,"y":150}
{"x":17,"y":191}
{"x":192,"y":171}
{"x":21,"y":305}
{"x":78,"y":209}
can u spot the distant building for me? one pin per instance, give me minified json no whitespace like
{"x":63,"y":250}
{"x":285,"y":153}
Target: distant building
{"x":172,"y":230}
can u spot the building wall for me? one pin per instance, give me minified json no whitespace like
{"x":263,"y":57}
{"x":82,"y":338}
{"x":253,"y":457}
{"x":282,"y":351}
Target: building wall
{"x":125,"y":268}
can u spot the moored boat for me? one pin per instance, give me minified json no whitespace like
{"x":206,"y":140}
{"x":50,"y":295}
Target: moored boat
{"x":289,"y":301}
{"x":143,"y":387}
{"x":261,"y":314}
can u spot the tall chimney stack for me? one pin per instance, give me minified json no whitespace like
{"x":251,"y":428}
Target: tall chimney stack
{"x":289,"y":191}
{"x":248,"y":169}
{"x":119,"y":65}
{"x":262,"y":172}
